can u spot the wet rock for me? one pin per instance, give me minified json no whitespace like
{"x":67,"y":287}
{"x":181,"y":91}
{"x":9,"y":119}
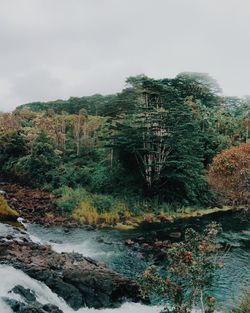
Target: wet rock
{"x":149,"y":248}
{"x":129,"y":242}
{"x":56,"y":241}
{"x":175,"y":235}
{"x":29,"y":303}
{"x":9,"y":237}
{"x":78,"y":280}
{"x":50,"y":308}
{"x":27,"y":294}
{"x":162,"y":244}
{"x":35,"y":307}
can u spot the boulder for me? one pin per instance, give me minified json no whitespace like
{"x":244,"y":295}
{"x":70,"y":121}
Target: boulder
{"x":78,"y":280}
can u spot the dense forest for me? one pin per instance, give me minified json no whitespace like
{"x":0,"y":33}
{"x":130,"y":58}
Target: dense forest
{"x":170,"y":152}
{"x":159,"y":145}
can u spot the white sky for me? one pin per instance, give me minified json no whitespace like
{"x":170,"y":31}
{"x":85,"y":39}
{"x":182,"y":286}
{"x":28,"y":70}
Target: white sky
{"x":52,"y":49}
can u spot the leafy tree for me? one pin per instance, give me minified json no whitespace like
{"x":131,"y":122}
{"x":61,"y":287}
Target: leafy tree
{"x":38,"y":166}
{"x":161,"y":140}
{"x":12,"y":147}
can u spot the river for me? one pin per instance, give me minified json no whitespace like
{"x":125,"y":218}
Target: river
{"x":108,"y":246}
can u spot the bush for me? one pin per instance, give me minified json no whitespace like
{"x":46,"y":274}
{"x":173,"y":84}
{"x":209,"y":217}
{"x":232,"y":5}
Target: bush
{"x":190,"y":273}
{"x":229,"y":174}
{"x":71,"y":198}
{"x":103,"y":203}
{"x":86,"y":213}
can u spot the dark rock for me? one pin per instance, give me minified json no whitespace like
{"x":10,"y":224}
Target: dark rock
{"x":78,"y":280}
{"x":27,"y":294}
{"x":56,"y":241}
{"x":34,"y":307}
{"x":50,"y":308}
{"x":129,"y":242}
{"x":9,"y":237}
{"x":175,"y":235}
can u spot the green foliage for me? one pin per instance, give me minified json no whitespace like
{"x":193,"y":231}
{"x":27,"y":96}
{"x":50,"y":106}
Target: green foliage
{"x":150,"y":144}
{"x":37,"y":167}
{"x":92,"y":209}
{"x":189,"y":273}
{"x":94,"y":105}
{"x":71,"y":198}
{"x":12,"y":147}
{"x":161,"y":140}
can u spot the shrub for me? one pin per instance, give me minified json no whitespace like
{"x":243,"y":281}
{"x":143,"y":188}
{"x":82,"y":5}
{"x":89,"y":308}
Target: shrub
{"x":71,"y":198}
{"x":189,"y":275}
{"x":229,"y":174}
{"x":103,"y":203}
{"x":86,"y":213}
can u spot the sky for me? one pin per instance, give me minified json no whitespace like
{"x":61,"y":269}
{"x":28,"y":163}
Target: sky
{"x":54,"y":49}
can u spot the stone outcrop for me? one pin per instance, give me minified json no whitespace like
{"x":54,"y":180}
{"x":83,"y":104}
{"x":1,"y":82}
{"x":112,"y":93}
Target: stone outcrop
{"x":80,"y":281}
{"x":29,"y":303}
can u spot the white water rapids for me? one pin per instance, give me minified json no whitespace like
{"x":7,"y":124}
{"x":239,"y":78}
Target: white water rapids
{"x":108,"y":247}
{"x":10,"y":277}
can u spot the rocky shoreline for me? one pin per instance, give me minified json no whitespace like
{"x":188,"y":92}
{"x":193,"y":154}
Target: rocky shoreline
{"x":80,"y":281}
{"x":29,"y":303}
{"x":35,"y":206}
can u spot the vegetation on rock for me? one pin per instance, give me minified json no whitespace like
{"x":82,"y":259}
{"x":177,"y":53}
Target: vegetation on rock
{"x":6,"y":213}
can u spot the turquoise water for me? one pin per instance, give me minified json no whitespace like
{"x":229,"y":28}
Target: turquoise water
{"x":108,"y":246}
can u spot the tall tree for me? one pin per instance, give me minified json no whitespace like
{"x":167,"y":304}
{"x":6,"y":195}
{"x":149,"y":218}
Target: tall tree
{"x":160,"y":137}
{"x":78,"y":125}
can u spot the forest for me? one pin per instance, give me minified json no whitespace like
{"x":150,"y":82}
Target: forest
{"x":157,"y":146}
{"x":164,"y":152}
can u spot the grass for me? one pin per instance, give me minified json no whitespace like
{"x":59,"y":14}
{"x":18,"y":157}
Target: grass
{"x":105,"y":210}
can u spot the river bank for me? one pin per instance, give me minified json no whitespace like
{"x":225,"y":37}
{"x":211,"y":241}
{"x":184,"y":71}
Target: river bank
{"x":35,"y":206}
{"x":79,"y":280}
{"x":109,"y":246}
{"x":128,"y":252}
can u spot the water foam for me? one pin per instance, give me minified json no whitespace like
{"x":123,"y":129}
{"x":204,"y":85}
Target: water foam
{"x":10,"y":277}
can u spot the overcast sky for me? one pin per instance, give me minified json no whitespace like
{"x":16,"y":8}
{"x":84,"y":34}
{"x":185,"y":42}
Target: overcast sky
{"x":51,"y":49}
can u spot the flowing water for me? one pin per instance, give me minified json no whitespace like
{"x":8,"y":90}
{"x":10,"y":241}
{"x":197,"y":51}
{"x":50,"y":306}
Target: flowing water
{"x":11,"y":277}
{"x":108,"y":246}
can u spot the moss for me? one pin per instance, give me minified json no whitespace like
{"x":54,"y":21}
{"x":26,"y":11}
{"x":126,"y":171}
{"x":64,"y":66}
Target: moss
{"x":6,"y":213}
{"x":124,"y":227}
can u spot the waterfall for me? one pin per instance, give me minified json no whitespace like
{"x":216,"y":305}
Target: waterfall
{"x":10,"y":277}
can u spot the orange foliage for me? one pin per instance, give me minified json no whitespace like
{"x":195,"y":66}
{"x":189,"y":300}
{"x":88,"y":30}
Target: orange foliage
{"x":229,"y":174}
{"x":8,"y":122}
